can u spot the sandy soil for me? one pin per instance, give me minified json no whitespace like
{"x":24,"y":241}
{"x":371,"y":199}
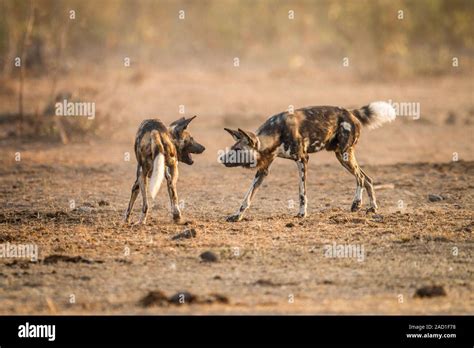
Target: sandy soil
{"x":271,"y":262}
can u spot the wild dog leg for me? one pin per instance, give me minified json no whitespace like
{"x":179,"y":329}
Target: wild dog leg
{"x":348,"y":161}
{"x":302,"y":172}
{"x":257,"y":181}
{"x":143,"y":183}
{"x":171,"y":174}
{"x":370,"y":191}
{"x":133,"y":197}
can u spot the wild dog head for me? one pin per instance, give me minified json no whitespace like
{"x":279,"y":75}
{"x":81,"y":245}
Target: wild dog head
{"x":184,"y":142}
{"x":244,"y":153}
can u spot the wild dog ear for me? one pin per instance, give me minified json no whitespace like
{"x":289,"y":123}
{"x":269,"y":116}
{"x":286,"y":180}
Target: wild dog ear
{"x":235,"y":134}
{"x":181,"y":124}
{"x":175,"y":123}
{"x":251,"y":137}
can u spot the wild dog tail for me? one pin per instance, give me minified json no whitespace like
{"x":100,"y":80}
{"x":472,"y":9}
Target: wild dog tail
{"x":375,"y":114}
{"x":158,"y":171}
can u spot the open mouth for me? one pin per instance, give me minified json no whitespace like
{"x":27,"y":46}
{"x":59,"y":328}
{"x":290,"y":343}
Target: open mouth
{"x":187,"y":158}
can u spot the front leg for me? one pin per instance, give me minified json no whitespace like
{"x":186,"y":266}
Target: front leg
{"x":171,"y":174}
{"x":143,"y":183}
{"x":257,"y":181}
{"x":302,"y":171}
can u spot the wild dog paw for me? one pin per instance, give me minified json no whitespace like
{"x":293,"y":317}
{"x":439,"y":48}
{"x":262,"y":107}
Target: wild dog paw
{"x":234,"y":218}
{"x":371,"y":210}
{"x":126,"y":217}
{"x":356,"y":206}
{"x":177,"y":219}
{"x":142,"y":220}
{"x":301,"y":215}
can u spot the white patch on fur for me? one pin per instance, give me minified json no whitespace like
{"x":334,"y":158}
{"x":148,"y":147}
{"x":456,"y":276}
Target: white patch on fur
{"x":347,"y":126}
{"x":358,"y":193}
{"x":319,"y":147}
{"x":382,"y":112}
{"x":157,"y":174}
{"x":284,"y":153}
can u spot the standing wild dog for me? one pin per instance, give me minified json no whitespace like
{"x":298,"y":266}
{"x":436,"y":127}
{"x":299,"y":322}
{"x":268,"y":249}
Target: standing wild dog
{"x":307,"y":130}
{"x":158,"y":150}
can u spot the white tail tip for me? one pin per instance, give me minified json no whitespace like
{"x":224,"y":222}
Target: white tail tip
{"x":157,"y":174}
{"x":381,"y":112}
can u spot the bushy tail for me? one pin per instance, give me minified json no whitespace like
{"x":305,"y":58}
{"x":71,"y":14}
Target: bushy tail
{"x":158,"y":172}
{"x":375,"y":114}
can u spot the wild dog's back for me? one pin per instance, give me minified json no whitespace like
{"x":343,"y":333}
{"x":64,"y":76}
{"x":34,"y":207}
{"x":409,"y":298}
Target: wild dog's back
{"x":312,"y":128}
{"x":143,"y":143}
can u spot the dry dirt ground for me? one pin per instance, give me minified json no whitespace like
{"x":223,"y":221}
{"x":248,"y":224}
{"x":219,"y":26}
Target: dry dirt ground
{"x":272,"y":262}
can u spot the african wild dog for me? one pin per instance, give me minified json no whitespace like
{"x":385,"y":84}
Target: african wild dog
{"x":158,"y":150}
{"x":307,"y":130}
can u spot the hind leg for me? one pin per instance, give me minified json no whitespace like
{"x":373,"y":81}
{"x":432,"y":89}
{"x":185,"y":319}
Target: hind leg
{"x":368,"y":183}
{"x":348,"y":161}
{"x":133,"y":197}
{"x":143,"y":183}
{"x":171,"y":174}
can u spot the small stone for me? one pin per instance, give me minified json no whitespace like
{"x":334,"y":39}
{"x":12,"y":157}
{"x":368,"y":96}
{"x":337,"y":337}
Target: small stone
{"x":265,"y":282}
{"x":434,"y":197}
{"x":377,"y":217}
{"x":430,"y":291}
{"x":84,"y":209}
{"x":154,"y":298}
{"x":451,"y":119}
{"x":186,"y":234}
{"x":208,"y":256}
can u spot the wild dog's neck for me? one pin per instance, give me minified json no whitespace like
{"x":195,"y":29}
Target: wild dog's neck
{"x":268,"y":145}
{"x":174,"y":138}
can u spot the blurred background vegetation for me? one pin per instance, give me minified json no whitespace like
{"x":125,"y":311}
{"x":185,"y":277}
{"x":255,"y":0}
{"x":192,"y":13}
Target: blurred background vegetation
{"x":430,"y":34}
{"x":78,"y":47}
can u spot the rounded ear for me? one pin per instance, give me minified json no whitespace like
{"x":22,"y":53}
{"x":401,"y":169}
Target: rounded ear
{"x":251,"y":138}
{"x":235,"y":134}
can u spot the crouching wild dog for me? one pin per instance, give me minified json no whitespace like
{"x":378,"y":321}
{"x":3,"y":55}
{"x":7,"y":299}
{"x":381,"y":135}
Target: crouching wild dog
{"x":158,"y":150}
{"x":295,"y":135}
